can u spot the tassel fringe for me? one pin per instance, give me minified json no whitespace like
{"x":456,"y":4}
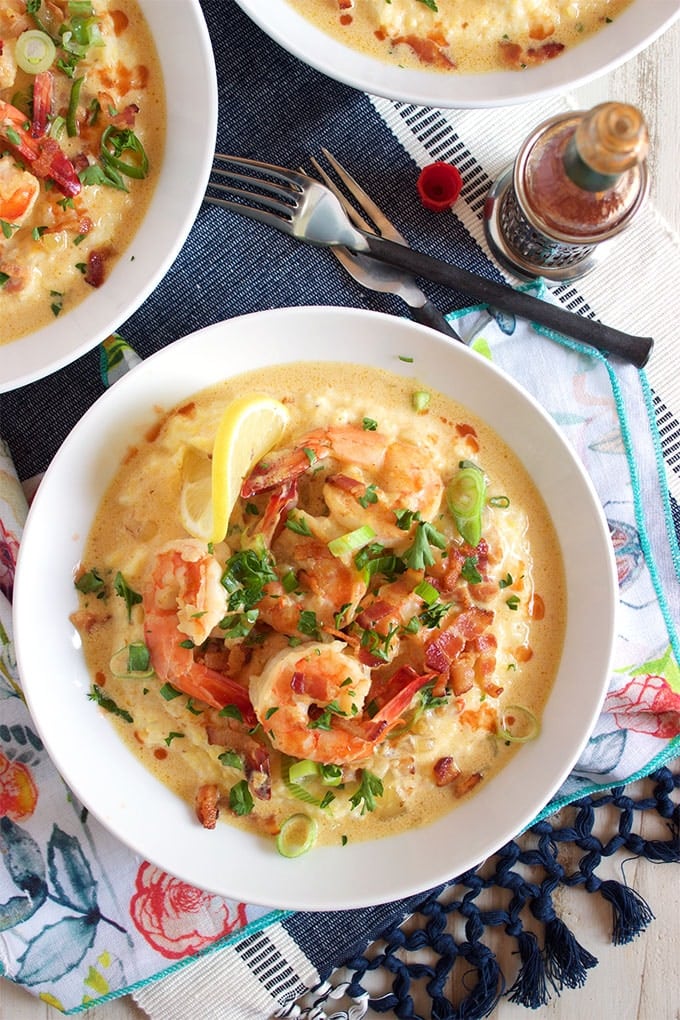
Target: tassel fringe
{"x":530,"y":988}
{"x":566,"y":961}
{"x":631,"y":912}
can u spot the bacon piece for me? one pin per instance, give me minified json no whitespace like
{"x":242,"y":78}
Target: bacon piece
{"x":94,"y":274}
{"x":207,"y":805}
{"x":428,"y":50}
{"x":442,"y":649}
{"x":463,"y":784}
{"x":259,"y":773}
{"x":228,"y":733}
{"x":445,"y":771}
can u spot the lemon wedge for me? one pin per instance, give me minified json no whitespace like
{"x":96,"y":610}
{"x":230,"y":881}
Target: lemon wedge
{"x":250,"y":426}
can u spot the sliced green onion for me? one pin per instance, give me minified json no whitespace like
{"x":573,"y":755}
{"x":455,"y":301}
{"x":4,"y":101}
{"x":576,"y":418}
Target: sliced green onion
{"x":57,"y":127}
{"x":297,"y":836}
{"x":501,"y":502}
{"x":115,"y":142}
{"x":420,"y":400}
{"x":83,"y":8}
{"x":302,"y":770}
{"x":71,"y":119}
{"x":465,"y":496}
{"x":293,"y":783}
{"x":132,"y":662}
{"x":34,"y":51}
{"x":331,"y":775}
{"x":353,"y":540}
{"x":518,"y":725}
{"x":427,"y":592}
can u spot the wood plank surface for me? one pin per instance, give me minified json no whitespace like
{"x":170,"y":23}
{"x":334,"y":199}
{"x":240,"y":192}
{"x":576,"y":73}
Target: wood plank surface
{"x":639,"y":981}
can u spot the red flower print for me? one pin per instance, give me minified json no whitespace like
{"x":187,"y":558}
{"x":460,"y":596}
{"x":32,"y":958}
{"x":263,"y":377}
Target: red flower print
{"x":18,"y":792}
{"x":647,"y":705}
{"x":177,"y":919}
{"x":9,"y":550}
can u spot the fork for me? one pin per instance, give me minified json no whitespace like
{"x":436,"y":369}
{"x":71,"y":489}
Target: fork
{"x":307,"y":210}
{"x":368,"y":271}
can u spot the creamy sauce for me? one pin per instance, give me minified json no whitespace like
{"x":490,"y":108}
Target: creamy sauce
{"x":469,"y":36}
{"x":55,"y":247}
{"x":520,"y":585}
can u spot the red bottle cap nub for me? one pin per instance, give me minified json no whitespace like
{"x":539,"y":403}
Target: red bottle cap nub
{"x":439,"y":186}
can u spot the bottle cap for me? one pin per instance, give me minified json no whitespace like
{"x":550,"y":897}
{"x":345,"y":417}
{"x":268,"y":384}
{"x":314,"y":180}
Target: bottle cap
{"x":612,"y":137}
{"x":439,"y":185}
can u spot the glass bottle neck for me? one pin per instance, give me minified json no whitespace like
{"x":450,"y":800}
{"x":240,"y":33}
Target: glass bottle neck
{"x":582,"y":175}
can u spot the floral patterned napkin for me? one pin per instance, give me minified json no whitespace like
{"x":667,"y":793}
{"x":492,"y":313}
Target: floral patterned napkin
{"x":81,"y":916}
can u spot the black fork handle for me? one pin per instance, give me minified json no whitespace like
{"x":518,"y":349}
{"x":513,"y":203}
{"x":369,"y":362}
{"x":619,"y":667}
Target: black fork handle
{"x":429,"y":315}
{"x":635,"y":349}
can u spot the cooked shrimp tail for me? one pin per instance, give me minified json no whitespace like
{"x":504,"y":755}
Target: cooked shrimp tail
{"x":183,"y":601}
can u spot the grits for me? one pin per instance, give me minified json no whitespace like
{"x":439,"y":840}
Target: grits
{"x":399,"y":689}
{"x":74,"y":149}
{"x":469,"y":36}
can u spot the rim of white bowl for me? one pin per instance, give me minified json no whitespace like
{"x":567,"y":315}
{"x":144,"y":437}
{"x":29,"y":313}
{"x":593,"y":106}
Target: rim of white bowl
{"x":595,"y":56}
{"x":187,"y":160}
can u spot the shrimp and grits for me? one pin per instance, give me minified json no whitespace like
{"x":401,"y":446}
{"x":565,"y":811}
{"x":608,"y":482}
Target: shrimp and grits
{"x":374,"y":636}
{"x":82,"y":125}
{"x":468,"y":36}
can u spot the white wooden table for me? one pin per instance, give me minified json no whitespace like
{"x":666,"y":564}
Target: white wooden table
{"x":640,"y":981}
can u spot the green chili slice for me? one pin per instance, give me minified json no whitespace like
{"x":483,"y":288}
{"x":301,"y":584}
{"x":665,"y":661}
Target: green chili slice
{"x":118,"y":141}
{"x":71,"y":118}
{"x":465,"y":496}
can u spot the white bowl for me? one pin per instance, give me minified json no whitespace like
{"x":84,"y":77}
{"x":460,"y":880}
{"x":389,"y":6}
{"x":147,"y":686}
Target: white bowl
{"x":191,"y":100}
{"x":134,"y":805}
{"x":631,"y":32}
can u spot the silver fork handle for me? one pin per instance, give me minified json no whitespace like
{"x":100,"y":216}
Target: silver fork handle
{"x":429,"y":315}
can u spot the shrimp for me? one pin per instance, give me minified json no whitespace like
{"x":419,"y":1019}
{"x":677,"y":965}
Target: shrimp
{"x":378,"y":477}
{"x":183,"y":601}
{"x":14,"y":19}
{"x":326,"y":586}
{"x":19,"y":190}
{"x":43,"y":155}
{"x":311,"y":705}
{"x":8,"y":65}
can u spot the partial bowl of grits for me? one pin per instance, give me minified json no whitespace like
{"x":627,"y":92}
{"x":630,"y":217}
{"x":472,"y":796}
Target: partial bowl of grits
{"x":463,"y":53}
{"x":372,"y":654}
{"x":106,"y":141}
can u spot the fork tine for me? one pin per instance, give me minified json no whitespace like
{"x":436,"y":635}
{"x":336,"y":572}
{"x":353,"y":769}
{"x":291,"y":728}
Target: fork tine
{"x":387,"y":229}
{"x":281,"y":207}
{"x":275,"y":218}
{"x":295,"y":180}
{"x":355,"y":216}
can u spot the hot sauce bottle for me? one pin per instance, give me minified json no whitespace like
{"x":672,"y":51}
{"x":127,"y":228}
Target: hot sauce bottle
{"x":578,"y":181}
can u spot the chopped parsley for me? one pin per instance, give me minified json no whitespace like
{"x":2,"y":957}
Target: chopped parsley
{"x":231,"y":760}
{"x":369,"y":788}
{"x":240,"y":799}
{"x":91,"y":583}
{"x":131,"y":598}
{"x":108,"y":704}
{"x":419,"y":555}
